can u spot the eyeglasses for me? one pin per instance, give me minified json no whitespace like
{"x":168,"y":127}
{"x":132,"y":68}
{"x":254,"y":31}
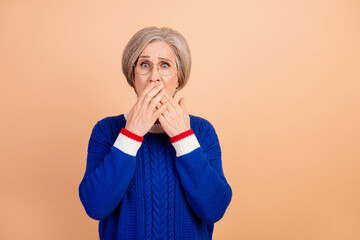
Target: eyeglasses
{"x":165,"y":68}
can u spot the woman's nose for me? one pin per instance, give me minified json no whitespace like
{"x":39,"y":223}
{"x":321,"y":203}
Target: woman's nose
{"x":155,"y":75}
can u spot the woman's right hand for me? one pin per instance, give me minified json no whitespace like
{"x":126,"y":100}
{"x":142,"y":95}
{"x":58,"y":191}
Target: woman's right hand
{"x":144,"y":113}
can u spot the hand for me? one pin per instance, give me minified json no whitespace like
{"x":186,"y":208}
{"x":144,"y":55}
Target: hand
{"x":174,"y":119}
{"x":144,"y":113}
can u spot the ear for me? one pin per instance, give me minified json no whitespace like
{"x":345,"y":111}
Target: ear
{"x":182,"y":103}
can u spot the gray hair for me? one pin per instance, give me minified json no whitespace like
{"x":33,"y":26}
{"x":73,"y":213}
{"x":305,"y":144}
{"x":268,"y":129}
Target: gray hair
{"x":148,"y":35}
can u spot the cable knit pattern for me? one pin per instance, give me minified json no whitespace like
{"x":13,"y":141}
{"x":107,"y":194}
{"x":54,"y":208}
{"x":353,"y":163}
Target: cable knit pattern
{"x":155,"y":194}
{"x":159,"y":188}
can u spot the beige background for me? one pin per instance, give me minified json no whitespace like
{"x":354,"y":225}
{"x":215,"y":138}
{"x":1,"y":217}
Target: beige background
{"x":279,"y":80}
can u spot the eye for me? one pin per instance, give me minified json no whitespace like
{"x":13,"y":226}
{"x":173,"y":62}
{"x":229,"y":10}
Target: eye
{"x":165,"y":65}
{"x":144,"y":65}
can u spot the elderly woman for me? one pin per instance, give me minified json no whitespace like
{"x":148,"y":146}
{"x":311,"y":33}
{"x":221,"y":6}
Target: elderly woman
{"x":155,"y":172}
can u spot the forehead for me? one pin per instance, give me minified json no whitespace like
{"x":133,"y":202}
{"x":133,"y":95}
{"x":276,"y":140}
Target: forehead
{"x":158,"y":50}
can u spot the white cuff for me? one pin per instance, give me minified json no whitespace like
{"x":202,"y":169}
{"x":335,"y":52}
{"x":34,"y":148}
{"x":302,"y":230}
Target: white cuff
{"x":186,"y":145}
{"x":127,"y":145}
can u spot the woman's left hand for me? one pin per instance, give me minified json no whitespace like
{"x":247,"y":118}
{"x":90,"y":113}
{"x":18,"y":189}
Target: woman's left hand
{"x":175,"y":119}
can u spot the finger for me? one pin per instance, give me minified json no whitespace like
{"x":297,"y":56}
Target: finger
{"x":165,"y":100}
{"x":154,"y":102}
{"x":171,"y":107}
{"x":166,"y":113}
{"x":151,"y":94}
{"x":158,"y":106}
{"x":158,"y":112}
{"x":162,"y":120}
{"x":171,"y":100}
{"x":150,"y":86}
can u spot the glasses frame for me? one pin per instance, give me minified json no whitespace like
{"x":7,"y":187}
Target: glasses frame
{"x":157,"y":65}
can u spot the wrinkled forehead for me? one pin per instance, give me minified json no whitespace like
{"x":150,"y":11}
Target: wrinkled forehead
{"x":158,"y":59}
{"x":158,"y":51}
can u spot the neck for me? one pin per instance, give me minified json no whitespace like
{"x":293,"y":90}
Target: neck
{"x":156,"y":128}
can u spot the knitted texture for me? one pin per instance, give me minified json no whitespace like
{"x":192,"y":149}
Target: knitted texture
{"x":171,"y":196}
{"x":154,"y":195}
{"x":159,"y":188}
{"x":147,"y":193}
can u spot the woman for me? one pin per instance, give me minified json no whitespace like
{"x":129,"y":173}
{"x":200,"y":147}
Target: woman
{"x":156,"y":172}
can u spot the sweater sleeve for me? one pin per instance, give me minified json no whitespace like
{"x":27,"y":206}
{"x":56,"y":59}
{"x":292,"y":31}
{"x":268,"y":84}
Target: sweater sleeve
{"x":108,"y":172}
{"x":200,"y":170}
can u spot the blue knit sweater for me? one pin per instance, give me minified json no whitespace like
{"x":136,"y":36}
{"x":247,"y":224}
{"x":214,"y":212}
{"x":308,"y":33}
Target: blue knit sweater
{"x":155,"y":194}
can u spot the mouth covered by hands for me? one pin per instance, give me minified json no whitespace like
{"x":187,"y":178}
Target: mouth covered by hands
{"x":154,"y":103}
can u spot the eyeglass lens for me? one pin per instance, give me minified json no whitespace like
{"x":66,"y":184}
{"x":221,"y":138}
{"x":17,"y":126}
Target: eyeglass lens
{"x":164,"y":68}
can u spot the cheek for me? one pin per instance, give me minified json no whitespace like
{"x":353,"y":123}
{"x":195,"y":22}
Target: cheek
{"x":139,"y":84}
{"x":171,"y":83}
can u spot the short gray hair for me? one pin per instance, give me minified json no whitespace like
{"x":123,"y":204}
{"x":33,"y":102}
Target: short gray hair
{"x":148,"y":35}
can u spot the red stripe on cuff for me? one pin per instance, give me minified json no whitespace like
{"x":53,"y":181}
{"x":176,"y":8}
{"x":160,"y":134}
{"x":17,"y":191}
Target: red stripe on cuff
{"x":181,"y":136}
{"x":131,"y":135}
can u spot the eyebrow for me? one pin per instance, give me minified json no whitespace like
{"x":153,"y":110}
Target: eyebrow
{"x":161,"y":58}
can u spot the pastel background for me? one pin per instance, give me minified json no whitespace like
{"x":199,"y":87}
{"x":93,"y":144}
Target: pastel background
{"x":279,"y":80}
